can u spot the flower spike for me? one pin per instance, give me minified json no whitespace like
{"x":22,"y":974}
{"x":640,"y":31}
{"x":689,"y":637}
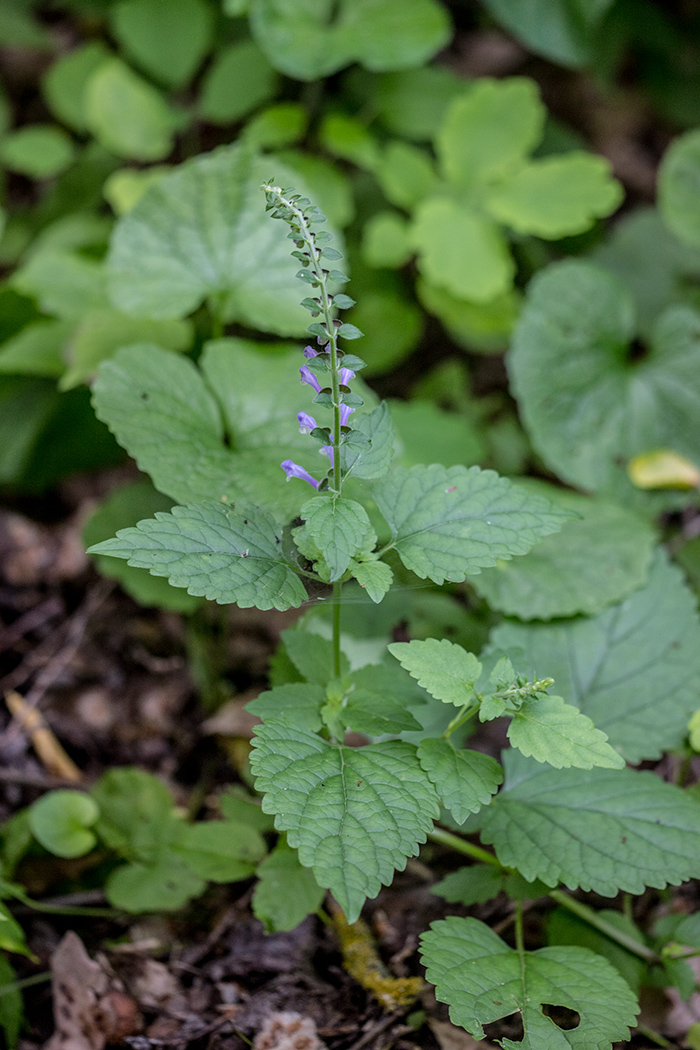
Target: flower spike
{"x":307,"y":376}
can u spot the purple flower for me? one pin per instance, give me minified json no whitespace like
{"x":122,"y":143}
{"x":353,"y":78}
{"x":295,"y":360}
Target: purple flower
{"x":345,"y":412}
{"x":307,"y":423}
{"x":307,"y":376}
{"x":346,"y":374}
{"x":310,"y":352}
{"x":327,"y":450}
{"x":293,"y":470}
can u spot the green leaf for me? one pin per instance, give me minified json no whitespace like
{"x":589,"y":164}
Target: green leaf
{"x":65,"y":82}
{"x":165,"y":884}
{"x":169,"y":254}
{"x":211,"y":550}
{"x":36,"y":349}
{"x":128,"y":116}
{"x":40,"y":151}
{"x":427,"y":433}
{"x":405,"y":173}
{"x":285,"y":892}
{"x":464,"y":780}
{"x":62,"y":821}
{"x":63,"y":282}
{"x":136,"y":812}
{"x":589,"y":419}
{"x":482,"y":328}
{"x":678,"y":177}
{"x":482,"y":980}
{"x":599,"y":829}
{"x":235,"y":804}
{"x":386,"y":241}
{"x":549,"y":730}
{"x":594,"y":561}
{"x":446,"y":670}
{"x":327,"y":184}
{"x":310,"y":41}
{"x":279,"y":125}
{"x":565,"y":928}
{"x":12,"y":937}
{"x":340,"y":528}
{"x":221,"y":850}
{"x":377,"y":701}
{"x":633,"y":669}
{"x":412,"y":102}
{"x":126,"y":506}
{"x":562,"y":30}
{"x":11,"y":1007}
{"x":300,"y":702}
{"x":238,"y":81}
{"x":376,"y":577}
{"x":556,"y":196}
{"x":461,"y":250}
{"x":312,"y":656}
{"x":449,"y":523}
{"x":488,"y":131}
{"x":354,"y":814}
{"x":375,"y":460}
{"x":167,"y":42}
{"x":124,"y":188}
{"x":475,"y":884}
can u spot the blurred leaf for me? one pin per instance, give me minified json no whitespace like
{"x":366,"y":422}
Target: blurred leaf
{"x":562,"y":30}
{"x":565,"y":928}
{"x":392,"y":324}
{"x":221,"y":850}
{"x":279,"y":125}
{"x":65,"y":83}
{"x":678,"y":179}
{"x":428,"y":434}
{"x":348,"y":138}
{"x":412,"y":102}
{"x":405,"y":173}
{"x":128,"y":116}
{"x":124,"y":188}
{"x":663,"y":469}
{"x":64,"y":283}
{"x":37,"y":350}
{"x":168,"y":41}
{"x":62,"y":821}
{"x":11,"y":1006}
{"x":285,"y":892}
{"x":386,"y":240}
{"x":238,"y":81}
{"x":38,"y":150}
{"x":328,"y":186}
{"x":165,"y":884}
{"x":479,"y":327}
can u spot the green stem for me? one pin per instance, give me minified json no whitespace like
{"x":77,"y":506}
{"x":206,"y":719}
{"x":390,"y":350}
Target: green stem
{"x":337,"y":592}
{"x":446,"y":838}
{"x":599,"y":923}
{"x":67,"y":909}
{"x":467,"y":712}
{"x":24,"y":982}
{"x":655,"y":1037}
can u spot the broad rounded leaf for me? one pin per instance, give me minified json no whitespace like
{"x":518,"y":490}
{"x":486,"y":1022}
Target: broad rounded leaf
{"x":128,"y":115}
{"x":482,"y":980}
{"x":562,"y":30}
{"x":285,"y":892}
{"x":448,"y":523}
{"x":221,"y":850}
{"x":37,"y":150}
{"x":678,"y":188}
{"x":634,"y":669}
{"x":167,"y":41}
{"x":166,"y":884}
{"x":598,"y":829}
{"x":239,"y":80}
{"x":202,"y":232}
{"x":211,"y":550}
{"x":446,"y":670}
{"x":588,"y":405}
{"x":66,"y":80}
{"x":465,"y":780}
{"x":61,"y":821}
{"x":354,"y":814}
{"x":595,"y":560}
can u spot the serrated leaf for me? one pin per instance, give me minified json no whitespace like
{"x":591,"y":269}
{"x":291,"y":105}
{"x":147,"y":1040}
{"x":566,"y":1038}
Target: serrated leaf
{"x":565,"y":928}
{"x":300,"y":702}
{"x":312,"y":42}
{"x":464,"y":780}
{"x":634,"y":669}
{"x":220,"y":850}
{"x":375,"y":577}
{"x":678,"y":177}
{"x":552,"y":731}
{"x":376,"y":702}
{"x":588,"y":419}
{"x":340,"y":528}
{"x":445,"y":669}
{"x":312,"y":656}
{"x":482,"y":980}
{"x":354,"y":814}
{"x":598,"y":829}
{"x":595,"y":560}
{"x":449,"y":523}
{"x":556,"y":196}
{"x":170,"y":253}
{"x":285,"y":892}
{"x":211,"y":550}
{"x":372,"y":462}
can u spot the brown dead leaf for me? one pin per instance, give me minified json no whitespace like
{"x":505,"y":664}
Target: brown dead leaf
{"x":286,"y":1030}
{"x":45,"y":743}
{"x":450,"y":1037}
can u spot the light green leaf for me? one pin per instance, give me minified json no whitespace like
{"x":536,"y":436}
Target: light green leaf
{"x":429,"y":434}
{"x":599,"y":829}
{"x":405,"y":173}
{"x":446,"y":670}
{"x":327,"y":184}
{"x":279,"y":125}
{"x":556,"y":196}
{"x":62,"y":820}
{"x":167,"y":41}
{"x":237,"y":805}
{"x":285,"y":892}
{"x":354,"y":814}
{"x":386,"y":241}
{"x":377,"y":701}
{"x":634,"y":669}
{"x":562,"y":30}
{"x":464,"y":780}
{"x":475,"y":884}
{"x":136,"y":812}
{"x":129,"y":117}
{"x":551,"y":731}
{"x":165,"y":884}
{"x":340,"y":528}
{"x":238,"y":81}
{"x":300,"y":702}
{"x":588,"y":419}
{"x":126,"y":506}
{"x":372,"y":462}
{"x":124,"y":188}
{"x":221,"y":850}
{"x":461,"y":250}
{"x":312,"y":656}
{"x":412,"y":102}
{"x":375,"y":577}
{"x":63,"y":282}
{"x":12,"y":937}
{"x":594,"y":561}
{"x":65,"y":82}
{"x":40,"y":151}
{"x":482,"y":980}
{"x":449,"y":523}
{"x":314,"y":39}
{"x":36,"y":350}
{"x":482,"y":328}
{"x":170,"y":253}
{"x":211,"y":550}
{"x":489,"y":130}
{"x":678,"y":181}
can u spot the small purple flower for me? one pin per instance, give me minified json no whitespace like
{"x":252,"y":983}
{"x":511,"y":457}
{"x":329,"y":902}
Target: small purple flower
{"x":293,"y":470}
{"x":327,"y":450}
{"x":307,"y":423}
{"x":345,"y":412}
{"x":310,"y":352}
{"x":346,"y":374}
{"x":307,"y":376}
